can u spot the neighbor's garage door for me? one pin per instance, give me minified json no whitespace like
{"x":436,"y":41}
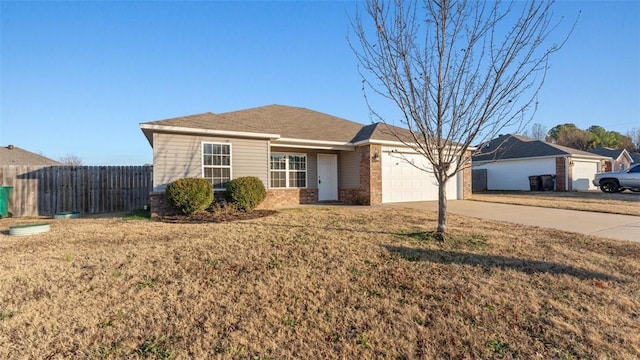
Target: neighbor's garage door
{"x":583,"y":171}
{"x":402,"y":182}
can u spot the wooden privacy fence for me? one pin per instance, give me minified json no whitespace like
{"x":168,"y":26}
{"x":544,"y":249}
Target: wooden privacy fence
{"x":46,"y":190}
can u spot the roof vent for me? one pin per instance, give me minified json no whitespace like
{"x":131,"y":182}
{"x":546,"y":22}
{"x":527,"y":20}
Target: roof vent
{"x":10,"y":147}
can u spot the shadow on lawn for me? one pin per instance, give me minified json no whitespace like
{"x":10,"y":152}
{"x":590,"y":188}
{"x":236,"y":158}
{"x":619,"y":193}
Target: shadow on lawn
{"x":330,"y":228}
{"x":495,"y":261}
{"x":469,"y":258}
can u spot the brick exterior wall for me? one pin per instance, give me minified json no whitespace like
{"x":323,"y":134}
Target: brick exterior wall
{"x":352,"y":197}
{"x":371,"y":174}
{"x":561,"y":175}
{"x":283,"y":197}
{"x":159,"y":206}
{"x":467,"y":178}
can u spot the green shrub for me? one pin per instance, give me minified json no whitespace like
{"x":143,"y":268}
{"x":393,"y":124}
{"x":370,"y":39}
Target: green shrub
{"x":189,"y":195}
{"x":246,"y":192}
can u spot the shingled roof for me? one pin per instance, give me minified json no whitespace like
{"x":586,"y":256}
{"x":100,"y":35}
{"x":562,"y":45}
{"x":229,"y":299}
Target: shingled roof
{"x":284,"y":121}
{"x":520,"y":147}
{"x":13,"y":155}
{"x":281,"y":122}
{"x":612,"y":153}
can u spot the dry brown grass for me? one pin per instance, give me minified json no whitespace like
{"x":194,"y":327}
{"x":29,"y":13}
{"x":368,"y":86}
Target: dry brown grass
{"x":316,"y":283}
{"x":626,"y":203}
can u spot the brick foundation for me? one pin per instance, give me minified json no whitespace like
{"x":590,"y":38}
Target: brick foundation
{"x":275,"y":197}
{"x":283,"y":197}
{"x":159,"y":206}
{"x":352,"y":197}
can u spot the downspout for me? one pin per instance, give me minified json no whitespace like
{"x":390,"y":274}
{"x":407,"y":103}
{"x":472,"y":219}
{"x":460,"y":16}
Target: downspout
{"x":567,"y":163}
{"x":268,"y":187}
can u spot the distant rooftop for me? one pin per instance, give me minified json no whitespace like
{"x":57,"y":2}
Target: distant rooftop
{"x":520,"y":147}
{"x":13,"y":155}
{"x":609,"y":152}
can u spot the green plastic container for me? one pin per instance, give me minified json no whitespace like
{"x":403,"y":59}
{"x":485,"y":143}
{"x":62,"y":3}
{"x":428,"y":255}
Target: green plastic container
{"x":4,"y":200}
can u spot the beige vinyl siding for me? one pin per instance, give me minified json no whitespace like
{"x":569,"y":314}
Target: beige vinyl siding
{"x":312,"y":161}
{"x":179,"y":156}
{"x":349,"y":169}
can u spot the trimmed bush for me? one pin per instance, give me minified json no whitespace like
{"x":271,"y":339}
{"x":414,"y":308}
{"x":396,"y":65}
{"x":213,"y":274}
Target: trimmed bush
{"x":246,"y":192}
{"x":189,"y":195}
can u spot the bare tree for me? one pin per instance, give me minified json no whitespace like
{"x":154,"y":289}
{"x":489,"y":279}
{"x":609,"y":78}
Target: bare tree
{"x":634,"y":135}
{"x":538,"y":131}
{"x":71,"y":160}
{"x":458,"y":72}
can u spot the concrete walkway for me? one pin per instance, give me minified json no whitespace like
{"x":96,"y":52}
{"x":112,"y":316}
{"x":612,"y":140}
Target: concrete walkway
{"x":621,"y":227}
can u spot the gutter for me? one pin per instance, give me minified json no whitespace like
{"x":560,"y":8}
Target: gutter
{"x":394,"y":143}
{"x":185,"y":130}
{"x":312,"y":144}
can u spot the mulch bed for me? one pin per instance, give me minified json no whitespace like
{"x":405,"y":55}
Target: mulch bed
{"x":210,"y":217}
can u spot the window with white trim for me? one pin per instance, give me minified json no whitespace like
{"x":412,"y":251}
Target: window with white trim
{"x":288,"y":170}
{"x":216,"y":164}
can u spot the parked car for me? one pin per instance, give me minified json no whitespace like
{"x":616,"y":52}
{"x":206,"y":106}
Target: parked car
{"x":615,"y":181}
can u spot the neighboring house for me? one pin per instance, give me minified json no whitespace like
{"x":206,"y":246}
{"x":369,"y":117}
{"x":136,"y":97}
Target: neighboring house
{"x":619,"y":159}
{"x":302,"y":156}
{"x":13,"y":155}
{"x":635,"y":156}
{"x":510,"y":159}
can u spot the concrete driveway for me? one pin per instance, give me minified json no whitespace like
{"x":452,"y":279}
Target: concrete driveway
{"x":621,"y":227}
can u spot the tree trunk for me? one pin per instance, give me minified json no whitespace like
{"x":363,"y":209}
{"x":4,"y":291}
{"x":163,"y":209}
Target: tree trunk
{"x":442,"y":207}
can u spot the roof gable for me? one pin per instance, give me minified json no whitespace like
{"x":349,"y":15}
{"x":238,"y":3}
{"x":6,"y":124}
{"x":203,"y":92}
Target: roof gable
{"x":382,"y":132}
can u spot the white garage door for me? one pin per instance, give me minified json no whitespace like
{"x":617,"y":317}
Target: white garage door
{"x":583,"y":172}
{"x":403,"y":182}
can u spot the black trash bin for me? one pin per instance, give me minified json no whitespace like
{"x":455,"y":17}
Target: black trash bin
{"x":548,"y":182}
{"x":535,"y":183}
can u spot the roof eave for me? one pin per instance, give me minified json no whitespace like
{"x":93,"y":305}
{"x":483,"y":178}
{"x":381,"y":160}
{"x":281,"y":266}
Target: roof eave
{"x":149,"y":129}
{"x":481,"y":162}
{"x":594,"y":157}
{"x":313,"y":144}
{"x":597,"y":157}
{"x":394,"y":143}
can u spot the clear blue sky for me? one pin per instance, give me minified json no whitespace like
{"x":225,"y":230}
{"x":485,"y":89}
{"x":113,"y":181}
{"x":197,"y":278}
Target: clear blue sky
{"x":78,"y":77}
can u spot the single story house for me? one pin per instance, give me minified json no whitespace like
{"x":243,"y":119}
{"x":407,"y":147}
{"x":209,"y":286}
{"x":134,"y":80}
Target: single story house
{"x":302,"y":156}
{"x":510,"y":159}
{"x":619,"y":159}
{"x":13,"y":155}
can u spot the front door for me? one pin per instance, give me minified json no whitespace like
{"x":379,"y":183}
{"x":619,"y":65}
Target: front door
{"x":327,"y":177}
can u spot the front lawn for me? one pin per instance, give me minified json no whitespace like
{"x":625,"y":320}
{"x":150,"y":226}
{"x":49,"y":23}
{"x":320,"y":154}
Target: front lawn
{"x":313,"y":283}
